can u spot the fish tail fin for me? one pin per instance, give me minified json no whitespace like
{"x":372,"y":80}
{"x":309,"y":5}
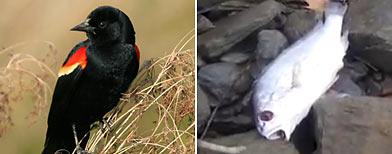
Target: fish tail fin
{"x":335,"y":7}
{"x":344,"y":40}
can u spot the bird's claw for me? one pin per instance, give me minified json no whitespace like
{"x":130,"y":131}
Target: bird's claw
{"x":80,"y":150}
{"x":105,"y":122}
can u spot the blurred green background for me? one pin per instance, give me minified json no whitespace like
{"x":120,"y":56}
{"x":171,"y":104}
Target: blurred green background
{"x":159,"y":27}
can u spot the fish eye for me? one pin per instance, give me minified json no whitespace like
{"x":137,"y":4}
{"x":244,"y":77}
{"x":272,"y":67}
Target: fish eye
{"x":266,"y":115}
{"x":102,"y":25}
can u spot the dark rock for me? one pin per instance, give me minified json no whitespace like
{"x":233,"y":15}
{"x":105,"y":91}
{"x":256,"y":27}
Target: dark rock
{"x":226,"y":82}
{"x":239,"y":107}
{"x":235,"y":118}
{"x":270,"y":44}
{"x":243,"y":83}
{"x":231,"y":30}
{"x":235,"y":57}
{"x":234,"y":5}
{"x":303,"y":136}
{"x":247,"y":46}
{"x":200,"y":62}
{"x":226,"y":8}
{"x":277,"y":23}
{"x":346,"y":85}
{"x":353,"y":125}
{"x":257,"y":68}
{"x":299,"y":23}
{"x":363,"y":74}
{"x":370,"y":27}
{"x":203,"y":108}
{"x":253,"y":142}
{"x":204,"y":4}
{"x":234,"y":124}
{"x":387,"y":86}
{"x":203,"y":24}
{"x":371,"y":87}
{"x":356,"y":69}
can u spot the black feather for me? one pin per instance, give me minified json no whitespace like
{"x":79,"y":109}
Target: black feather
{"x":87,"y":94}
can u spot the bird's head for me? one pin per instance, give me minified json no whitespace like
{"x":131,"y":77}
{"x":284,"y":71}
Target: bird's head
{"x":106,"y":25}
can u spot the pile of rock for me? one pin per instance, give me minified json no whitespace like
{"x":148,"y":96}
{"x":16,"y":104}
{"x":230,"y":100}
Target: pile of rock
{"x":237,"y":39}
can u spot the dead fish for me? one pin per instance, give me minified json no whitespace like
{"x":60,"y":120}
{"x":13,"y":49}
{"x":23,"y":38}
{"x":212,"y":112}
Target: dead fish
{"x":289,"y":86}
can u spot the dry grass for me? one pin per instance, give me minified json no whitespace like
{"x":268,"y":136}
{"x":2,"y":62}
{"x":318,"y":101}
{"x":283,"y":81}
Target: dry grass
{"x":166,"y":87}
{"x":25,"y":75}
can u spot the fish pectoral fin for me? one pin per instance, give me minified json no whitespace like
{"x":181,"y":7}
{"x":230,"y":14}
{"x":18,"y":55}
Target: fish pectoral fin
{"x":295,"y":81}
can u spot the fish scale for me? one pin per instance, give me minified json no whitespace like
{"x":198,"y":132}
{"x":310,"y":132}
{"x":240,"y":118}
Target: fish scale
{"x":300,"y":75}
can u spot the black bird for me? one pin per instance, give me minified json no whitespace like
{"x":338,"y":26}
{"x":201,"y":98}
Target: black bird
{"x":92,"y":78}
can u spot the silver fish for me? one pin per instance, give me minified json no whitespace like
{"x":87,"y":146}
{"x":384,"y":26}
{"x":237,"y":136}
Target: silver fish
{"x":303,"y":72}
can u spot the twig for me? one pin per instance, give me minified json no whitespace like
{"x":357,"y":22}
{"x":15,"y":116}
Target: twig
{"x":220,"y":148}
{"x":209,"y":122}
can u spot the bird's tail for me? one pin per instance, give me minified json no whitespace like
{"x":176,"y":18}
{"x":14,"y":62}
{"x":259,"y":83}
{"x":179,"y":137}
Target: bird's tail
{"x":60,"y":139}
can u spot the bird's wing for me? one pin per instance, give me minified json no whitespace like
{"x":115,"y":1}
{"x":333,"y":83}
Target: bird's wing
{"x":69,"y":75}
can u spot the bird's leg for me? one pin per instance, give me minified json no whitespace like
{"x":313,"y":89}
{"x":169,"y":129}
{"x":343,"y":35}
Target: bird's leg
{"x":79,"y":150}
{"x":75,"y":137}
{"x":104,"y":122}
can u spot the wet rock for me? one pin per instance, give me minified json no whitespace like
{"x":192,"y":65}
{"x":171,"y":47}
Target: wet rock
{"x":247,"y":46}
{"x":303,"y":136}
{"x":200,"y":62}
{"x":253,"y":142}
{"x":225,"y":82}
{"x":299,"y":23}
{"x":203,"y":108}
{"x":235,"y":118}
{"x":228,"y":8}
{"x":387,"y":86}
{"x":353,"y":125}
{"x":277,"y":23}
{"x":346,"y":85}
{"x":203,"y":24}
{"x":364,"y":75}
{"x":370,"y":29}
{"x":226,"y":34}
{"x":243,"y":83}
{"x":234,"y":124}
{"x":370,"y":86}
{"x":239,"y":107}
{"x":270,"y":44}
{"x":235,"y":57}
{"x":356,"y":69}
{"x":257,"y":67}
{"x":203,"y":4}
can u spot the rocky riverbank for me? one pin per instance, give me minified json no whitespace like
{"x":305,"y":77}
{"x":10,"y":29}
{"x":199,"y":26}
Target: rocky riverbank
{"x":237,"y":39}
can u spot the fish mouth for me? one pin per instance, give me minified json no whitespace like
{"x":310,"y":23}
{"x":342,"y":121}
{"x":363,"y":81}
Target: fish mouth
{"x":276,"y":133}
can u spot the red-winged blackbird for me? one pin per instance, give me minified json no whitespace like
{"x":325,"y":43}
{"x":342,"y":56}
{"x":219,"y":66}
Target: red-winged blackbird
{"x":92,"y":77}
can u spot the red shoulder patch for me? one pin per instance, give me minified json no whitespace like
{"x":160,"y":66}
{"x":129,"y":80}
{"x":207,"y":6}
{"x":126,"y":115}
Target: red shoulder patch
{"x":137,"y":52}
{"x":78,"y":58}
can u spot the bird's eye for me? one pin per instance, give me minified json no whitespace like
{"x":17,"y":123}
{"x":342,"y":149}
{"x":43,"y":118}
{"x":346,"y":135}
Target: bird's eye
{"x":102,"y":25}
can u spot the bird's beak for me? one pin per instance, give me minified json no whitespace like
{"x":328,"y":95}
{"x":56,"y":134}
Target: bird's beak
{"x":84,"y":27}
